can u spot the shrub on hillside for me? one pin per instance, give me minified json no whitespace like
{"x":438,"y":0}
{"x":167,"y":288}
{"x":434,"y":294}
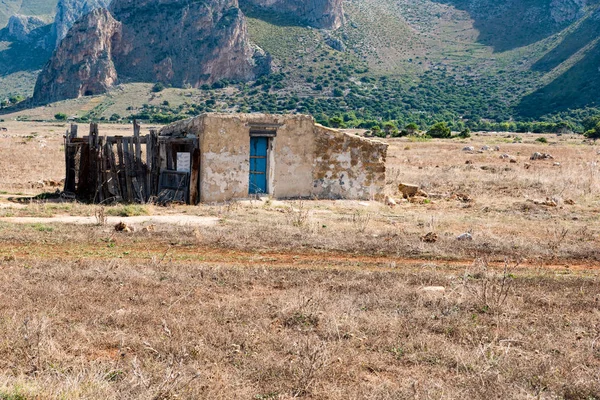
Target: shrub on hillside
{"x":410,"y":129}
{"x":158,"y":87}
{"x":590,"y":122}
{"x":465,"y":133}
{"x":439,"y":130}
{"x":593,"y":133}
{"x":390,"y":128}
{"x":60,"y":117}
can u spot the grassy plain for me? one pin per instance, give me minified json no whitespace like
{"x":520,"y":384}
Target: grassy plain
{"x":316,"y":299}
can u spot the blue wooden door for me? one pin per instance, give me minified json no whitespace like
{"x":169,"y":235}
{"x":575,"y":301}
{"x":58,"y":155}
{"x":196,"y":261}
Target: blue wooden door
{"x":258,"y":164}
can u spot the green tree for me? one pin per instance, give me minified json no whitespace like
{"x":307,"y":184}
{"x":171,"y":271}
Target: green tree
{"x":590,"y":122}
{"x":60,"y":116}
{"x":158,"y":87}
{"x":390,"y":128}
{"x":376,"y":131}
{"x":411,"y":129}
{"x":440,"y":130}
{"x":593,"y":133}
{"x":336,"y":122}
{"x":465,"y":133}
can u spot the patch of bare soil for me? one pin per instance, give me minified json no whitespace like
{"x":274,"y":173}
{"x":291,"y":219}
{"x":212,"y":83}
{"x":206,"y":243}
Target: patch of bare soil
{"x":183,"y":220}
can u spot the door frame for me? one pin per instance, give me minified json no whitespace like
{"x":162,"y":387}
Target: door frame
{"x":268,"y":131}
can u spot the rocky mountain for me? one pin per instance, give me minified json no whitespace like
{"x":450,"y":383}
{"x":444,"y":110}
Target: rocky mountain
{"x":327,"y":14}
{"x":474,"y":62}
{"x":68,"y":12}
{"x":21,"y":27}
{"x":169,"y":41}
{"x":76,"y":70}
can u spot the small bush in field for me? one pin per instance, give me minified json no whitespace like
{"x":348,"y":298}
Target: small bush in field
{"x":441,"y":130}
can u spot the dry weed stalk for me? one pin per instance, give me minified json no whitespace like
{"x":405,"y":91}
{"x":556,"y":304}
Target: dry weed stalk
{"x":101,"y":217}
{"x":556,"y":237}
{"x":489,"y":289}
{"x":313,"y":359}
{"x":361,"y":221}
{"x":298,"y":216}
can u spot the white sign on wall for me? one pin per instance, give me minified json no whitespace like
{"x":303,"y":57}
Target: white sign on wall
{"x":183,"y":162}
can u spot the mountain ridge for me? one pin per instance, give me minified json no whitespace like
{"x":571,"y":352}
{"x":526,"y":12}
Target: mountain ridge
{"x":442,"y":59}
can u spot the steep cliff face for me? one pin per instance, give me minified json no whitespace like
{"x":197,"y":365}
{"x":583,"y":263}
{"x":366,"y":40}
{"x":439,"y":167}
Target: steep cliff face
{"x":183,"y":43}
{"x":169,"y":41}
{"x":68,"y":12}
{"x":82,"y":64}
{"x":328,"y":14}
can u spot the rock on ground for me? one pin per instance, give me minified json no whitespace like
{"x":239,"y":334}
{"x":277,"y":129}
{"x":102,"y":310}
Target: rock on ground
{"x":409,"y":190}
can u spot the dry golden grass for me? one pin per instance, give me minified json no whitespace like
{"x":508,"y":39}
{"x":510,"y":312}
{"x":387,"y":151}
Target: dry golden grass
{"x":242,"y":328}
{"x":315,"y":299}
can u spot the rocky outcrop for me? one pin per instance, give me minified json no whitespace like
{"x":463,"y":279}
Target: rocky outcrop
{"x":328,"y":14}
{"x":566,"y":10}
{"x":68,"y":12}
{"x":168,"y":41}
{"x":82,"y":64}
{"x":184,"y":43}
{"x":21,"y":27}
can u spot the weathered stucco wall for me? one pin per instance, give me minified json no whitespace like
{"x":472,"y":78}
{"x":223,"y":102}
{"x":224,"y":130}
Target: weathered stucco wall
{"x":306,"y":160}
{"x":225,"y":158}
{"x":348,"y":166}
{"x":294,"y":155}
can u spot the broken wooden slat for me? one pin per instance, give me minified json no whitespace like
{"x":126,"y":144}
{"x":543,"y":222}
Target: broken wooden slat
{"x":169,"y":151}
{"x":114,"y":176}
{"x":99,"y":172}
{"x":194,"y":177}
{"x":127,"y":163}
{"x":149,"y":158}
{"x":121,"y":169}
{"x":138,"y":165}
{"x":156,"y":163}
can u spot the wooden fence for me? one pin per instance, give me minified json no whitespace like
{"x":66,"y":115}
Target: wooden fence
{"x":128,"y":169}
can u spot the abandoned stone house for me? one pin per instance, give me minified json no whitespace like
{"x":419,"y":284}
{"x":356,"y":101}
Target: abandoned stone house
{"x":221,"y":157}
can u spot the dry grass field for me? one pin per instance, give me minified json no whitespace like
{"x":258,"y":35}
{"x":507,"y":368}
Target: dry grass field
{"x":315,"y":299}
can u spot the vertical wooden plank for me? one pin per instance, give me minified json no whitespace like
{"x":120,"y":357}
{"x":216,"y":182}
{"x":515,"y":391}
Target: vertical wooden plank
{"x":149,"y":158}
{"x":121,"y":170}
{"x":114,"y":175}
{"x":169,"y":150}
{"x":156,"y":162}
{"x":136,"y":128}
{"x":106,"y":174}
{"x":194,"y":177}
{"x":98,"y":152}
{"x":127,"y":163}
{"x":163,"y":154}
{"x":139,"y":172}
{"x":69,"y":163}
{"x":133,"y":169}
